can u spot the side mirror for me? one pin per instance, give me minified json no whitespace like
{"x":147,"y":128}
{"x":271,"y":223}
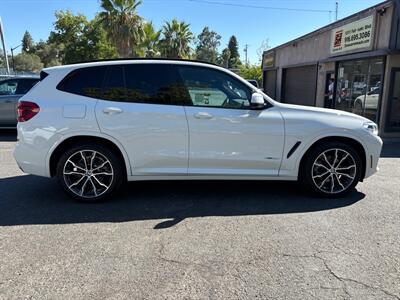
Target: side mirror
{"x":257,"y":101}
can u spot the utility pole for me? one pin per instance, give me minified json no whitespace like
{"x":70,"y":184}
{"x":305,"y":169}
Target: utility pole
{"x":246,"y":49}
{"x":336,"y":10}
{"x":12,"y":56}
{"x":4,"y":47}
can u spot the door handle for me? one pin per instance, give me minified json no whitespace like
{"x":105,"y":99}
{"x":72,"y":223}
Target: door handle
{"x":203,"y":115}
{"x":112,"y":110}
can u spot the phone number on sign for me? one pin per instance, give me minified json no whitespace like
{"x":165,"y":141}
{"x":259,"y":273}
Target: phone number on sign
{"x":358,"y":36}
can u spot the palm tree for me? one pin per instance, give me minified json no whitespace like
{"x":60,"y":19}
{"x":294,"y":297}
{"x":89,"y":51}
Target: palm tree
{"x":177,"y":37}
{"x":149,"y":46}
{"x":123,"y":24}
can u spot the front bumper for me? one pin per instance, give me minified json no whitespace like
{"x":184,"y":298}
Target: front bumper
{"x":373,"y":150}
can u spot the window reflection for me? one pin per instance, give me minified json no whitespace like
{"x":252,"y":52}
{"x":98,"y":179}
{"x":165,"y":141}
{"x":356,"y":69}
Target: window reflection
{"x":359,"y":87}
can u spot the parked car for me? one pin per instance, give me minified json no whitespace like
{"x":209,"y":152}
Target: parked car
{"x":253,"y":82}
{"x":368,"y":101}
{"x":95,"y":125}
{"x":10,"y":91}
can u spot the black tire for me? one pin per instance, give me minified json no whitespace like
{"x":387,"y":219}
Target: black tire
{"x":308,"y":169}
{"x":114,"y":166}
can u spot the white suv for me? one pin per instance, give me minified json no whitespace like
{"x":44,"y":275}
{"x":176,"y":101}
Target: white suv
{"x":95,"y":125}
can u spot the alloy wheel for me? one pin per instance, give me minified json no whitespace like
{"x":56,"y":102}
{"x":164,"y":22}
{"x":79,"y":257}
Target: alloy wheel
{"x":88,"y":173}
{"x":334,"y":171}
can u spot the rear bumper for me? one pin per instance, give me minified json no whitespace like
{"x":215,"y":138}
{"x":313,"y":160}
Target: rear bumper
{"x":31,"y":151}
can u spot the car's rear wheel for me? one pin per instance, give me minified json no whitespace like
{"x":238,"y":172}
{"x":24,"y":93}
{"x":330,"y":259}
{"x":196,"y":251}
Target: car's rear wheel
{"x":331,"y":169}
{"x":89,"y":172}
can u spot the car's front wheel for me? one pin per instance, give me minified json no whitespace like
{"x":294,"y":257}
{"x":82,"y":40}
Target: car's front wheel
{"x":89,"y":172}
{"x":331,"y":169}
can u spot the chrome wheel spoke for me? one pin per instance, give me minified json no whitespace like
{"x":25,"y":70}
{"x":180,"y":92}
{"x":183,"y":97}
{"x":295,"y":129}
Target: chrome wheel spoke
{"x":75,"y":165}
{"x":77,"y":182}
{"x":343,"y":158}
{"x":326,"y":159}
{"x":101,"y":166}
{"x":94,"y":187}
{"x":332,"y":183}
{"x":91,"y":160}
{"x":84,"y":160}
{"x":322,"y":166}
{"x":103,"y":173}
{"x":98,"y":181}
{"x":338,"y":180}
{"x":336,"y":158}
{"x":83,"y":186}
{"x":321,"y":175}
{"x":74,"y":173}
{"x":346,"y":175}
{"x":346,"y":168}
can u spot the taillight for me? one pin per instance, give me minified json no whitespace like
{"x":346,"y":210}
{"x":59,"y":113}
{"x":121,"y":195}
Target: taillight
{"x":27,"y":110}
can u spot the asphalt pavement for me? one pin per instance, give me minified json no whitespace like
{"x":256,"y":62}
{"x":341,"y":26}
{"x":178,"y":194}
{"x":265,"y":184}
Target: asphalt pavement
{"x":199,"y":239}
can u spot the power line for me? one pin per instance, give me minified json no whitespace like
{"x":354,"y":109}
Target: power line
{"x":261,"y":7}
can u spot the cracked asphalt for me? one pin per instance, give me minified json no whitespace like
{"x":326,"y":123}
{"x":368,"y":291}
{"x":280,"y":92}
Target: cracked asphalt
{"x":199,"y":240}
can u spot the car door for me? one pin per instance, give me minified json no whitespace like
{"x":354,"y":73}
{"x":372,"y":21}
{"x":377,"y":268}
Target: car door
{"x":8,"y":100}
{"x":227,"y":137}
{"x":142,"y":108}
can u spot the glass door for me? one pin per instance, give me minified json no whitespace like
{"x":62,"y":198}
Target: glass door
{"x":393,"y":119}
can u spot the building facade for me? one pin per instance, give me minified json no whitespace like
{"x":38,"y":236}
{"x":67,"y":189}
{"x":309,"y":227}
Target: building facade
{"x":352,"y":65}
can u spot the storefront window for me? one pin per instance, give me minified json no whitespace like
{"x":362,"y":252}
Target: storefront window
{"x":359,"y":87}
{"x":393,"y":121}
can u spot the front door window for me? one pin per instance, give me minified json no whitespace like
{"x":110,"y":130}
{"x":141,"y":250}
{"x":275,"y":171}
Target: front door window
{"x":359,"y":87}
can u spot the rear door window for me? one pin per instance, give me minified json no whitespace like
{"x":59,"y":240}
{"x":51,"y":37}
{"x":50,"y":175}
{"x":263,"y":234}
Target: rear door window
{"x":85,"y":81}
{"x":154,"y":84}
{"x":115,"y":87}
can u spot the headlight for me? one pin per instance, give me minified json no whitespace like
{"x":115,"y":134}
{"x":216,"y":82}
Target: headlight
{"x":371,"y":127}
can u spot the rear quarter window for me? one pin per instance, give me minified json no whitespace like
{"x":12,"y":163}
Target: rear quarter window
{"x":84,"y":81}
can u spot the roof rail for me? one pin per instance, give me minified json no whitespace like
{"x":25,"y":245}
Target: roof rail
{"x":144,"y":59}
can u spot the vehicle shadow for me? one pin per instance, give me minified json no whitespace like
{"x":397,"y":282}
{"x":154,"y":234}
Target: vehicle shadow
{"x":8,"y":135}
{"x":34,"y":200}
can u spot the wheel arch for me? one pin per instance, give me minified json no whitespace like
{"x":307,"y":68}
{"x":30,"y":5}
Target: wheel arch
{"x":55,"y":154}
{"x":344,"y":139}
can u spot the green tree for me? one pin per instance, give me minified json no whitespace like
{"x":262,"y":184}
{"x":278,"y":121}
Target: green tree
{"x":48,"y":53}
{"x":123,"y":24}
{"x":224,"y":58}
{"x":27,"y":62}
{"x":233,"y":46}
{"x":176,"y":39}
{"x":251,"y":72}
{"x":150,"y":44}
{"x":27,"y":42}
{"x":78,"y":39}
{"x":207,"y":45}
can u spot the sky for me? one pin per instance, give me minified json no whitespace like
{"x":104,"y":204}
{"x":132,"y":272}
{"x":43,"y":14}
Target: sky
{"x":252,"y":21}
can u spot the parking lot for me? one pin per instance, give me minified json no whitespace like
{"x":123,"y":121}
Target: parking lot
{"x":198,"y":240}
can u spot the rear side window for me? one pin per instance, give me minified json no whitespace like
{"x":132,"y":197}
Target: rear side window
{"x":85,"y":81}
{"x":154,"y":84}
